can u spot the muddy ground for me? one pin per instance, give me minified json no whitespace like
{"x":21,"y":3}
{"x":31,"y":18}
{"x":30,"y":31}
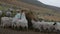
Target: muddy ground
{"x":11,"y":31}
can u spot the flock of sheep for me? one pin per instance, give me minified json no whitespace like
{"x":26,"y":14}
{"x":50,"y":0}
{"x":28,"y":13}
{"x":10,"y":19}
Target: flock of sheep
{"x":9,"y":21}
{"x":50,"y":26}
{"x":13,"y":22}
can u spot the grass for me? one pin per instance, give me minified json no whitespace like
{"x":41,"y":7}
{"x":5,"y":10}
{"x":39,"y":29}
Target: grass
{"x":43,"y":12}
{"x":3,"y":8}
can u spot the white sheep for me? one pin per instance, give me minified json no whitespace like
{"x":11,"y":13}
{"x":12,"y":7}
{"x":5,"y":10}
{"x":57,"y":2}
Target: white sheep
{"x":8,"y":13}
{"x":6,"y":21}
{"x":0,"y":13}
{"x":45,"y":25}
{"x":20,"y":22}
{"x":57,"y":26}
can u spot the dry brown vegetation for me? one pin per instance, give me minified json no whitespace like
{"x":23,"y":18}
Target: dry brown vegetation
{"x":36,"y":9}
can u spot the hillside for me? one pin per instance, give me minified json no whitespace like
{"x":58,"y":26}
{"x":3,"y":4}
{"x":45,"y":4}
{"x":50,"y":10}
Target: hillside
{"x":40,"y":4}
{"x":39,"y":11}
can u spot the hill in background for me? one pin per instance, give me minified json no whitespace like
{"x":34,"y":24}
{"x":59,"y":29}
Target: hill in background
{"x":40,"y":4}
{"x":41,"y":10}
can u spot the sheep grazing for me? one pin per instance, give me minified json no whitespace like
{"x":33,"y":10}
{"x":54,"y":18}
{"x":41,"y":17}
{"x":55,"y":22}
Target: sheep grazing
{"x":20,"y":22}
{"x":43,"y":25}
{"x":6,"y":21}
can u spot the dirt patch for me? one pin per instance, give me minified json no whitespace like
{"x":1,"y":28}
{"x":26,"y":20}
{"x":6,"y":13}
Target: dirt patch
{"x":10,"y":31}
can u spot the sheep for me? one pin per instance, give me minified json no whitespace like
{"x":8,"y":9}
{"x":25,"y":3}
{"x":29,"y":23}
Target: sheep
{"x":6,"y":21}
{"x":8,"y":14}
{"x":20,"y":22}
{"x":1,"y":13}
{"x":57,"y":26}
{"x":45,"y":25}
{"x":0,"y":16}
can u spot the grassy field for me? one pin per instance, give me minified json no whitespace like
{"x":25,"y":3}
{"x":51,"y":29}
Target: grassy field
{"x":42,"y":12}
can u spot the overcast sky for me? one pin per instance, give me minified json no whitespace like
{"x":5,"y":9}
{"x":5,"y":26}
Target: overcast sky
{"x":51,"y":2}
